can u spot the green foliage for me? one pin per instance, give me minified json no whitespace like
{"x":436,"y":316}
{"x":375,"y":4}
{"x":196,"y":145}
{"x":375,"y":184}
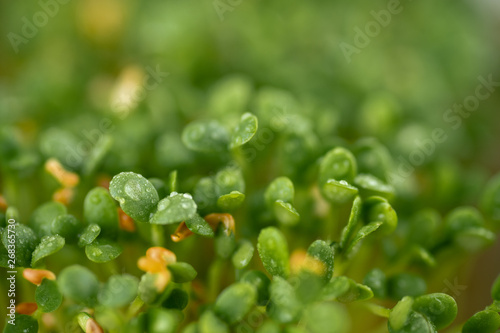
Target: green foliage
{"x":47,"y":246}
{"x":99,"y":208}
{"x":273,"y":251}
{"x":47,"y":296}
{"x":79,"y":284}
{"x":174,"y":209}
{"x":103,"y":250}
{"x":182,"y":272}
{"x":119,"y":290}
{"x":136,"y":195}
{"x":235,"y":301}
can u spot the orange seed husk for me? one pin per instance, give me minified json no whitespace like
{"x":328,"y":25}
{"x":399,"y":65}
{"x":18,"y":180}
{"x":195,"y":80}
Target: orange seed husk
{"x":126,"y":222}
{"x":226,"y":219}
{"x":182,"y":232}
{"x":26,"y":308}
{"x":93,"y":327}
{"x":36,"y":276}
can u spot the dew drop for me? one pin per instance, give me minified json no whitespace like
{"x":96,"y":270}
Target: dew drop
{"x":133,"y":189}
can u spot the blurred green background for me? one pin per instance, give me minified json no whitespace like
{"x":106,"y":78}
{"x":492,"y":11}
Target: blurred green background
{"x":70,"y":65}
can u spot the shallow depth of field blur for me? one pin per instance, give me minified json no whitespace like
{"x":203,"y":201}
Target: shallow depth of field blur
{"x":152,"y":66}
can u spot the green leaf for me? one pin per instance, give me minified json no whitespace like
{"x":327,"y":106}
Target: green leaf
{"x":273,"y":251}
{"x":403,"y":319}
{"x":335,"y":288}
{"x":23,"y":324}
{"x":463,"y":218}
{"x":495,"y":289}
{"x":42,"y":217}
{"x":79,"y":284}
{"x":244,"y":131}
{"x":48,"y":245}
{"x":89,"y":234}
{"x":484,"y":322}
{"x":182,"y":272}
{"x":160,"y":320}
{"x":321,"y":251}
{"x":362,"y":233}
{"x":137,"y":196}
{"x":206,"y":136}
{"x":350,"y":228}
{"x":373,"y":157}
{"x":338,"y":192}
{"x":199,"y":226}
{"x":261,"y":283}
{"x":423,"y":227}
{"x":23,"y":246}
{"x":119,"y":290}
{"x":474,"y":239}
{"x":377,"y":282}
{"x":285,"y":213}
{"x":147,"y":290}
{"x":175,"y":208}
{"x":47,"y":296}
{"x":439,"y":308}
{"x":370,"y":185}
{"x":355,"y":291}
{"x":379,"y":210}
{"x":243,"y":254}
{"x":103,"y":250}
{"x":210,"y":323}
{"x":326,"y":318}
{"x":280,"y":189}
{"x":231,"y":201}
{"x":235,"y":302}
{"x":99,"y":208}
{"x":67,"y":226}
{"x":338,"y":164}
{"x":178,"y":299}
{"x":406,"y":284}
{"x":284,"y":306}
{"x":228,"y":180}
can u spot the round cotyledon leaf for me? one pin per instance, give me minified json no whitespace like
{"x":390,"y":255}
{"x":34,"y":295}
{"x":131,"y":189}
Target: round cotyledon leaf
{"x":48,"y":245}
{"x":137,"y":196}
{"x":89,"y":234}
{"x":118,"y":291}
{"x":206,"y":136}
{"x":99,"y":208}
{"x":42,"y":217}
{"x":338,"y":191}
{"x":23,"y":245}
{"x":439,"y":308}
{"x":175,"y":208}
{"x":280,"y":189}
{"x":338,"y":164}
{"x":67,"y":226}
{"x":243,"y":254}
{"x":199,"y":226}
{"x":230,"y":201}
{"x":47,"y":296}
{"x":486,"y":321}
{"x":273,"y":251}
{"x":244,"y":131}
{"x":102,"y":250}
{"x":23,"y":324}
{"x":182,"y":272}
{"x":79,"y":284}
{"x":235,"y":301}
